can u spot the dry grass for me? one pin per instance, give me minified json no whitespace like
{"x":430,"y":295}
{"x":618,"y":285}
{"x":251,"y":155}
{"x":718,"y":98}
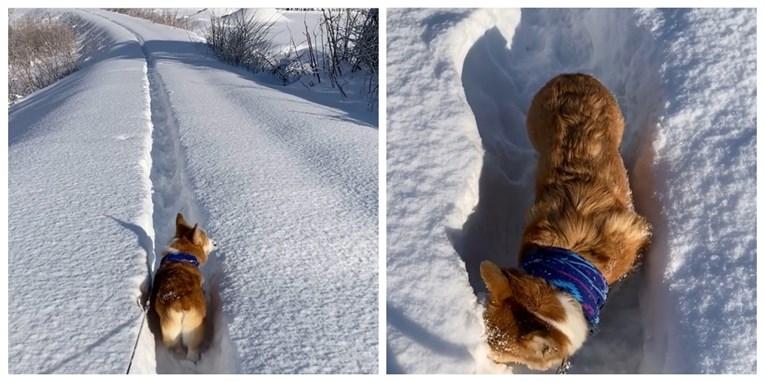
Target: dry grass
{"x":41,"y":50}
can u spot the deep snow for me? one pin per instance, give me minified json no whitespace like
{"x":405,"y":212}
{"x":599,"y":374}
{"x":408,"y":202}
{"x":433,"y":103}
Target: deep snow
{"x":460,"y":178}
{"x":288,"y":26}
{"x":79,"y":216}
{"x":284,"y":181}
{"x":287,"y":38}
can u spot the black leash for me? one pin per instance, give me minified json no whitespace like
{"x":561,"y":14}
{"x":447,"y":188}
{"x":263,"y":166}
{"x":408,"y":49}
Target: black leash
{"x":145,"y":308}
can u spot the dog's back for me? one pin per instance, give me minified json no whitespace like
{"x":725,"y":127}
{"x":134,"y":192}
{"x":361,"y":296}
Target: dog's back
{"x":583,"y":207}
{"x":576,"y":114}
{"x":178,"y":297}
{"x":179,"y":302}
{"x":583,"y":201}
{"x":178,"y":288}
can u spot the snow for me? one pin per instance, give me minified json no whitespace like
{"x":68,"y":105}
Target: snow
{"x":460,"y":178}
{"x":79,"y":217}
{"x":288,"y":26}
{"x":287,"y":38}
{"x":704,"y":178}
{"x":284,"y":180}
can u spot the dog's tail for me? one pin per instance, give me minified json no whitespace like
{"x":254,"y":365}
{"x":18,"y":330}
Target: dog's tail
{"x":175,"y":316}
{"x":185,"y":315}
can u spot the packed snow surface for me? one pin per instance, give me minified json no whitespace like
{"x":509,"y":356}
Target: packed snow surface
{"x":284,"y":180}
{"x":461,"y":173}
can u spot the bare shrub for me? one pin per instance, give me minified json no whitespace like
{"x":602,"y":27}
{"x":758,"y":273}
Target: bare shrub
{"x":243,"y":40}
{"x":349,"y":36}
{"x":41,"y":50}
{"x":345,"y":42}
{"x":363,"y":55}
{"x":166,"y":16}
{"x":364,"y":36}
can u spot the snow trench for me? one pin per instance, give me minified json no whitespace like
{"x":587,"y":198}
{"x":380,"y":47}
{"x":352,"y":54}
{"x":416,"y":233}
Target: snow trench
{"x":499,"y":79}
{"x":173,"y":193}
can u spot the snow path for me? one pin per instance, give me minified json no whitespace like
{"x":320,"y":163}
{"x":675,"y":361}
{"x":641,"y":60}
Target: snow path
{"x":321,"y":150}
{"x":173,"y":193}
{"x":287,"y":187}
{"x":80,"y":215}
{"x":460,"y":182}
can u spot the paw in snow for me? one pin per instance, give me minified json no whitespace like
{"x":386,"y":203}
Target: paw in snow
{"x":193,"y":356}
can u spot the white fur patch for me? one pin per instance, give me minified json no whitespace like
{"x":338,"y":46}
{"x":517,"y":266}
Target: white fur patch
{"x":574,"y":325}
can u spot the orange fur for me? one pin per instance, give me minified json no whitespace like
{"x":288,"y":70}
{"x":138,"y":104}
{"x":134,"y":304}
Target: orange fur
{"x":582,"y":203}
{"x":177,"y":295}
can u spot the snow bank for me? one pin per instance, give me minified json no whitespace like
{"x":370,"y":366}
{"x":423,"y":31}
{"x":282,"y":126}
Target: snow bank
{"x":434,"y":161}
{"x":701,"y":268}
{"x":79,"y":222}
{"x":289,"y":26}
{"x":436,"y":177}
{"x":261,"y":14}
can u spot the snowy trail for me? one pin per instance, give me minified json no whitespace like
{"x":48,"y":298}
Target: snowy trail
{"x":287,"y":188}
{"x":337,"y":160}
{"x":460,"y":176}
{"x":173,"y":193}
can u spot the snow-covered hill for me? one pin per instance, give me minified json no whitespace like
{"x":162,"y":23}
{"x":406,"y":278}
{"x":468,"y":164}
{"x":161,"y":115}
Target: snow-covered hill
{"x":288,"y":26}
{"x":284,"y":180}
{"x":460,"y":178}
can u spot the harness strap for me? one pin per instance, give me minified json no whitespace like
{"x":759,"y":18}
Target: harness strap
{"x":180,"y":257}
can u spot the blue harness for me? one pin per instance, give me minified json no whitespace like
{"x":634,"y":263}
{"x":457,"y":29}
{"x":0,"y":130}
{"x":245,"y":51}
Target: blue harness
{"x":568,"y":271}
{"x":180,"y":257}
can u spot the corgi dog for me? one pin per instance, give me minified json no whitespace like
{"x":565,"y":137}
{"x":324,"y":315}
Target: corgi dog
{"x":177,"y":294}
{"x":582,"y":233}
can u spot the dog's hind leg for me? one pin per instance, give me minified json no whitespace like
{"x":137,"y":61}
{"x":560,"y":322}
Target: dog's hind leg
{"x":171,"y":323}
{"x":193,"y":332}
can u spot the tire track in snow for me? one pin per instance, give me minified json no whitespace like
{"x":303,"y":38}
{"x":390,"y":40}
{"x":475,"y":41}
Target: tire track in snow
{"x":499,"y":84}
{"x":173,"y":192}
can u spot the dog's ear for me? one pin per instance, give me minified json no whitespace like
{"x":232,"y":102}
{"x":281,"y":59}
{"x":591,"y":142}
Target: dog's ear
{"x":180,"y":221}
{"x":182,"y":228}
{"x":195,"y":235}
{"x":496,"y":281}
